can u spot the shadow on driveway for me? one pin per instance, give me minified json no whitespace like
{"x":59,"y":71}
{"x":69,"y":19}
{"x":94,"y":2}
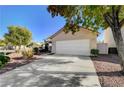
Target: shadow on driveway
{"x":53,"y":71}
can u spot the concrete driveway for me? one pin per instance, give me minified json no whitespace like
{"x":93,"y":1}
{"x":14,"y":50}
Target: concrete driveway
{"x":53,"y":71}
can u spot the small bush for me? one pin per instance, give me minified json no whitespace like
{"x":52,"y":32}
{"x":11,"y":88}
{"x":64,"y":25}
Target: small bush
{"x":27,"y":54}
{"x":3,"y":60}
{"x":36,"y":51}
{"x":1,"y":64}
{"x":94,"y":52}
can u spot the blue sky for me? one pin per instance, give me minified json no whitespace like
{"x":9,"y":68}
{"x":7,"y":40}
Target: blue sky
{"x":35,"y":18}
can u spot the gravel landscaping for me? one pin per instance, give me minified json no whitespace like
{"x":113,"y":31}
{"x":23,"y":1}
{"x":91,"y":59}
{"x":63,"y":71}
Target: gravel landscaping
{"x":108,"y":70}
{"x":16,"y":61}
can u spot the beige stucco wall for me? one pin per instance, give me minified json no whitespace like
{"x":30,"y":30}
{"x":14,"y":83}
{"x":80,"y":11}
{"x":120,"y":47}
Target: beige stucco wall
{"x":108,"y":37}
{"x":82,"y":34}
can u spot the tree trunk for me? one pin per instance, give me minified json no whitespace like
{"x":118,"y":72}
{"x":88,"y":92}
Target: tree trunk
{"x":119,"y":44}
{"x":112,"y":18}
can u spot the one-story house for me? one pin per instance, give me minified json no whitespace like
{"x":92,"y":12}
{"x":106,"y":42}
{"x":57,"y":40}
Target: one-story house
{"x":79,"y":43}
{"x":108,"y":38}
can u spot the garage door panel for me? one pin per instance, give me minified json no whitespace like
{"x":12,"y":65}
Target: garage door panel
{"x":73,"y":47}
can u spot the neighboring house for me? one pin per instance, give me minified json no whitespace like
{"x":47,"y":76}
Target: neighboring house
{"x":79,"y":43}
{"x":34,"y":44}
{"x":108,"y":38}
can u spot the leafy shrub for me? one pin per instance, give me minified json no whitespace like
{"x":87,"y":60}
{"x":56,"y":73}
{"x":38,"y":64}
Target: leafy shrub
{"x":27,"y":54}
{"x":35,"y":50}
{"x":1,"y":64}
{"x":3,"y":60}
{"x":94,"y":52}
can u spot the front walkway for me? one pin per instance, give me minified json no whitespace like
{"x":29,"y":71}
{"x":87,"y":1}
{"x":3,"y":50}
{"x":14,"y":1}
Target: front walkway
{"x":53,"y":71}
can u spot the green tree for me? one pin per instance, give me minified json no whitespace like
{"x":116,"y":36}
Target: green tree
{"x":18,"y":36}
{"x":94,"y":18}
{"x":2,"y":43}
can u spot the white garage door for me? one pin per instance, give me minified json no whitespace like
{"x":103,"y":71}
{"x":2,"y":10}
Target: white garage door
{"x":73,"y":47}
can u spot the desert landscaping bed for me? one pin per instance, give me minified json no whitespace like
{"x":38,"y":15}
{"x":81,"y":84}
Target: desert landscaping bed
{"x":108,"y":70}
{"x":16,"y":61}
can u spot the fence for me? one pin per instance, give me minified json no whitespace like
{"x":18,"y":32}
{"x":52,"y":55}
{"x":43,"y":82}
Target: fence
{"x":103,"y":48}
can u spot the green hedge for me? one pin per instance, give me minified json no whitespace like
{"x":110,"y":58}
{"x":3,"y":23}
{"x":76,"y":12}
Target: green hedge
{"x":35,"y":51}
{"x":3,"y":60}
{"x":94,"y":52}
